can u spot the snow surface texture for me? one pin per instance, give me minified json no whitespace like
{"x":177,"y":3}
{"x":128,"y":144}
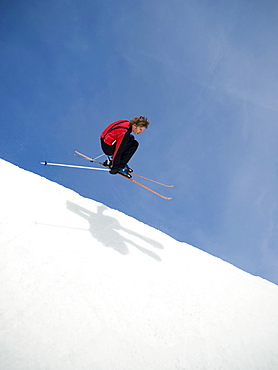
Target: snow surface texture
{"x":86,"y":287}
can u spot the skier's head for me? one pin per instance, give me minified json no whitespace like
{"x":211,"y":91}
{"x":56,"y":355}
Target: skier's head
{"x":140,"y":121}
{"x":139,"y":124}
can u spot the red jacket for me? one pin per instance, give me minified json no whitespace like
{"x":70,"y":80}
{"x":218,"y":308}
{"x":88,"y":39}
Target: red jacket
{"x":117,"y":133}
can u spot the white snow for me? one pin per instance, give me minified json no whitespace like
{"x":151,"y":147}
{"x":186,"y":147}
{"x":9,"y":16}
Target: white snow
{"x":86,"y":287}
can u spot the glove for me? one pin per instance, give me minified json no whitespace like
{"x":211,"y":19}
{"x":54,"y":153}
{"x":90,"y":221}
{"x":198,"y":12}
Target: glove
{"x":114,"y":170}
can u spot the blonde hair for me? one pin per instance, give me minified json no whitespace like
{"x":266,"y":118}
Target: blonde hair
{"x":140,"y":121}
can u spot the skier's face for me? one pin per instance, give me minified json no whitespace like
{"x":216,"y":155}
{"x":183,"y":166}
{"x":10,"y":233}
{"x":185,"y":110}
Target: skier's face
{"x":137,"y":129}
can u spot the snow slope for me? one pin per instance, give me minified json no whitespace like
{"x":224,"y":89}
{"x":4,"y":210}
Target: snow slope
{"x":86,"y":287}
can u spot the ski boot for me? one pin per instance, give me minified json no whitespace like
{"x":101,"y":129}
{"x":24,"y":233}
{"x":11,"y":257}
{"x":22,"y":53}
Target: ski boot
{"x":129,"y":169}
{"x":125,"y":171}
{"x":108,"y":162}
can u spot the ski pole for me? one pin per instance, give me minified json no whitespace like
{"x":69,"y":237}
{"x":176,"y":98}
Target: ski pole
{"x":73,"y":166}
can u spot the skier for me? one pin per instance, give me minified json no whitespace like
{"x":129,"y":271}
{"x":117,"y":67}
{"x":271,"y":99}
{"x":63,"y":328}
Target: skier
{"x":117,"y":141}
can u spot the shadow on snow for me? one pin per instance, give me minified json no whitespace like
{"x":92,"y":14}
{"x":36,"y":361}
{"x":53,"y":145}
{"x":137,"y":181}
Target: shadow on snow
{"x":107,"y":229}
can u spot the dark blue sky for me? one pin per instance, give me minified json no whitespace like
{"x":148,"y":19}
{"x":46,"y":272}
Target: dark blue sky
{"x":204,"y":72}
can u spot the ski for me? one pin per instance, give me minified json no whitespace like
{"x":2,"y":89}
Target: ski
{"x":88,"y":158}
{"x":133,"y":174}
{"x":145,"y":187}
{"x":128,"y":178}
{"x":156,"y":182}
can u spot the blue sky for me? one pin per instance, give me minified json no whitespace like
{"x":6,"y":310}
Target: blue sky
{"x":204,"y":72}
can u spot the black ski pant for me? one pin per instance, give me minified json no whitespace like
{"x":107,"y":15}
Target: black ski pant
{"x":125,"y":151}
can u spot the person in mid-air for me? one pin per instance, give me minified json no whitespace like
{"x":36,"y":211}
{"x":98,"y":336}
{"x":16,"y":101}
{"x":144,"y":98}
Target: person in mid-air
{"x":118,"y":142}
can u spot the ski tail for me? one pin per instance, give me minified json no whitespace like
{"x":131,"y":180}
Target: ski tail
{"x":78,"y":154}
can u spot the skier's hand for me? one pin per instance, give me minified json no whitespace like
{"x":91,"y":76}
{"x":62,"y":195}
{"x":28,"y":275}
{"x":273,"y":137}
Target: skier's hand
{"x":114,"y":170}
